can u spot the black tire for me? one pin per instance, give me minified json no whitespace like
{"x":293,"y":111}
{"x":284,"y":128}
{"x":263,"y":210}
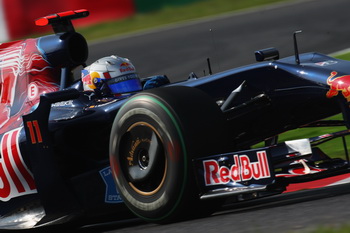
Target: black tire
{"x":154,"y":137}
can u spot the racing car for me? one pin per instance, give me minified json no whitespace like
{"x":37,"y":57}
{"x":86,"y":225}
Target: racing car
{"x":164,"y":154}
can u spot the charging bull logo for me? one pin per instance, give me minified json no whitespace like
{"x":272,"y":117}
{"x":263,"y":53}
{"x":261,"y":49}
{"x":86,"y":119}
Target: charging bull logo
{"x":337,"y":84}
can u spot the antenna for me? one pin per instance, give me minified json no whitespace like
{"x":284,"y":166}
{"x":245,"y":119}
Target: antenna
{"x":215,"y":52}
{"x":297,"y":60}
{"x":209,"y":66}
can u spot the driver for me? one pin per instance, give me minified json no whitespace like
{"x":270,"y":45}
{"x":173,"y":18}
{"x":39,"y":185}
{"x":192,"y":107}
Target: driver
{"x":116,"y":76}
{"x":111,"y":76}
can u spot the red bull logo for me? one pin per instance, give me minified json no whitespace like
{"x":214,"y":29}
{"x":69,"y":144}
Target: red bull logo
{"x":338,"y":84}
{"x":89,"y":78}
{"x":243,"y":170}
{"x":124,"y":67}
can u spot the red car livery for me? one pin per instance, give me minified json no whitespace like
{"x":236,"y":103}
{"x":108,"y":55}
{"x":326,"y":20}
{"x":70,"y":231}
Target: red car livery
{"x":24,"y":76}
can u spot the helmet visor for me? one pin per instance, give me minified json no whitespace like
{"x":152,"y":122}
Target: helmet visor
{"x":124,"y":84}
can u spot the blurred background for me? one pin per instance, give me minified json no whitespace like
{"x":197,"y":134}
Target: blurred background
{"x":175,"y":37}
{"x":115,"y":26}
{"x":18,"y":15}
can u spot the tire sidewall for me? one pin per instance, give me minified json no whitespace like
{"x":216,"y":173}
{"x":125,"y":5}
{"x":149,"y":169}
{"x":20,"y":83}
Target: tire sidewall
{"x":145,"y":108}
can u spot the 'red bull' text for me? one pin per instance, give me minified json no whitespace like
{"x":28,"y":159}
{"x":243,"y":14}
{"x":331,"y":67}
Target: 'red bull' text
{"x":242,"y":170}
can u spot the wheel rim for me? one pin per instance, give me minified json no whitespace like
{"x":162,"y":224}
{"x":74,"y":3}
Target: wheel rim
{"x":143,"y":158}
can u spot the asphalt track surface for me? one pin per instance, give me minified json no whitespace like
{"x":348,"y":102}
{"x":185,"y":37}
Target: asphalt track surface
{"x":230,"y":40}
{"x":180,"y":49}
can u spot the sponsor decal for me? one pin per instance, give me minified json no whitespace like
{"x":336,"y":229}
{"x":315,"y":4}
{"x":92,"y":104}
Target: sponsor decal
{"x":63,"y":103}
{"x":89,"y":79}
{"x":33,"y":91}
{"x":15,"y":178}
{"x":134,"y":145}
{"x":112,"y":195}
{"x":122,"y":78}
{"x":338,"y":84}
{"x":243,"y":169}
{"x":326,"y":63}
{"x":125,"y":67}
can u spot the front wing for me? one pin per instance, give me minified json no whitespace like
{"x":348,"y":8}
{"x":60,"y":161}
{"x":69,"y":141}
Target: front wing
{"x":267,"y":170}
{"x":235,"y":173}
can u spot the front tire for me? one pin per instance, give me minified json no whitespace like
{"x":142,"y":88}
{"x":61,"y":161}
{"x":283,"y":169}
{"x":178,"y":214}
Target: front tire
{"x":154,"y":137}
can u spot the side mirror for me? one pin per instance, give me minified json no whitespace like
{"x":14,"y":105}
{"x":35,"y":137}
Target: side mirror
{"x":267,"y":54}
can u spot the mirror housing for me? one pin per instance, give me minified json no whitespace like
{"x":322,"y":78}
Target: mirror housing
{"x":267,"y":54}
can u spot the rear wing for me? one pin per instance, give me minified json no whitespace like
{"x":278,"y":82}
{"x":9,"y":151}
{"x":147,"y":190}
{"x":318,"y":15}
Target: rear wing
{"x":61,"y":22}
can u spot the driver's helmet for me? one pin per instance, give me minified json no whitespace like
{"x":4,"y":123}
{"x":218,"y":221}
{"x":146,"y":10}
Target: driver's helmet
{"x":111,"y":75}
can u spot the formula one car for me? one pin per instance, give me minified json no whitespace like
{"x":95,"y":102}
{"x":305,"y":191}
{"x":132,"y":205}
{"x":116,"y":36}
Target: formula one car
{"x":166,"y":153}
